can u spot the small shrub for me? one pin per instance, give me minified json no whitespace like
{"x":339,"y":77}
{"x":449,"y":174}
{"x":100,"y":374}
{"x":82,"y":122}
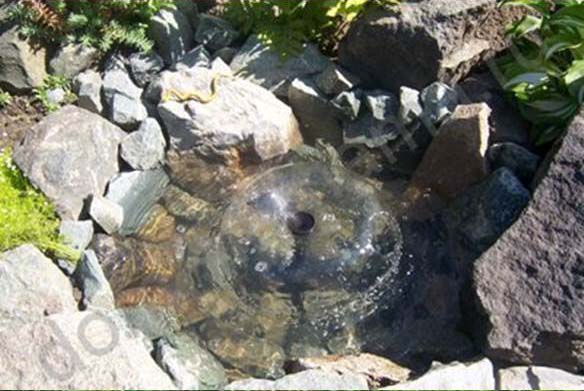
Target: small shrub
{"x":288,"y":24}
{"x":26,"y":217}
{"x":545,"y":71}
{"x":52,"y":82}
{"x":103,"y":24}
{"x":5,"y":98}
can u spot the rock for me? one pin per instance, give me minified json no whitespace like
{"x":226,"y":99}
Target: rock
{"x":184,"y":206}
{"x":22,"y":67}
{"x":123,"y":98}
{"x":456,"y":376}
{"x":144,"y":67}
{"x":190,"y":366}
{"x":154,"y":322}
{"x":31,"y":287}
{"x":72,"y":59}
{"x":410,"y":105}
{"x":77,"y":234}
{"x":456,"y":159}
{"x":439,"y":101}
{"x":145,"y":148}
{"x":529,"y":284}
{"x":335,"y":80}
{"x":106,"y":213}
{"x":317,"y":117}
{"x":96,"y":290}
{"x":172,"y":33}
{"x":198,"y":57}
{"x":215,"y":33}
{"x":218,"y":66}
{"x":77,"y":350}
{"x":262,"y":65}
{"x":56,"y":96}
{"x":136,"y":193}
{"x":384,"y":106}
{"x":313,"y":380}
{"x":70,"y":156}
{"x":369,"y":131}
{"x":348,"y":104}
{"x":159,"y":226}
{"x":377,"y":370}
{"x":87,"y":86}
{"x":226,"y":54}
{"x":190,"y":9}
{"x":518,"y":159}
{"x":538,"y":378}
{"x":243,"y":120}
{"x":425,"y":41}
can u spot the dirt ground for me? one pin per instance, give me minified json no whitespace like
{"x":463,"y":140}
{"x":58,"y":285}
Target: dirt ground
{"x":16,"y":119}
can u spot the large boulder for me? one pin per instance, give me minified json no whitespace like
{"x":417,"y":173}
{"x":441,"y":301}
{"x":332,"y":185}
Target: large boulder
{"x":172,"y":32}
{"x":22,"y":67}
{"x":72,"y":59}
{"x":243,"y":120}
{"x":538,"y":378}
{"x":78,"y":351}
{"x":70,"y":156}
{"x":529,"y":285}
{"x":307,"y":380}
{"x":424,"y":41}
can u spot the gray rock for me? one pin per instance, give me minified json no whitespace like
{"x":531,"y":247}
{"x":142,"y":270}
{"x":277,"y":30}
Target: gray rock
{"x":116,"y":62}
{"x":198,"y":57}
{"x":172,"y":32}
{"x":144,"y":149}
{"x":87,"y":86}
{"x":317,"y":117}
{"x":538,"y":378}
{"x":215,"y":33}
{"x":117,"y":81}
{"x":226,"y":54}
{"x":96,"y":290}
{"x":529,"y":284}
{"x":136,"y":193}
{"x":144,"y":67}
{"x":262,"y":65}
{"x":22,"y":67}
{"x":56,"y":96}
{"x":127,"y":112}
{"x":77,"y":234}
{"x":410,"y":105}
{"x":383,"y":105}
{"x":425,"y":41}
{"x":154,"y":322}
{"x":106,"y":213}
{"x":313,"y":380}
{"x":335,"y":80}
{"x":219,"y":66}
{"x":70,"y":156}
{"x":72,"y":59}
{"x":190,"y":9}
{"x":348,"y":104}
{"x":189,"y":365}
{"x":77,"y":350}
{"x":456,"y":376}
{"x":371,"y":132}
{"x":518,"y":159}
{"x":244,"y":119}
{"x":439,"y":101}
{"x":31,"y":287}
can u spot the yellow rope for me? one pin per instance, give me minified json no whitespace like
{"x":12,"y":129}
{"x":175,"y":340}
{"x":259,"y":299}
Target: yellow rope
{"x":172,"y":94}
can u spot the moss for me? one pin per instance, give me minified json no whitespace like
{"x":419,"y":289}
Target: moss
{"x":26,"y":216}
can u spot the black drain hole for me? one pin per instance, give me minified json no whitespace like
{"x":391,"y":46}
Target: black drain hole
{"x":301,"y":223}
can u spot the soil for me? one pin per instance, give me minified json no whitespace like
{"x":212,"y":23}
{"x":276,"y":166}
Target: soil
{"x":17,"y":118}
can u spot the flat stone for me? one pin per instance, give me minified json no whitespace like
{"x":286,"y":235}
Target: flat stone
{"x":318,"y":119}
{"x":145,"y":148}
{"x":439,"y":101}
{"x":313,"y":380}
{"x":96,"y":290}
{"x":410,"y":105}
{"x":31,"y":287}
{"x":348,"y":104}
{"x":117,"y":81}
{"x":335,"y":80}
{"x":106,"y":213}
{"x":215,"y":33}
{"x":144,"y":67}
{"x":538,"y":378}
{"x":87,"y":86}
{"x":457,"y":376}
{"x":72,"y":59}
{"x":456,"y":159}
{"x":243,"y":120}
{"x":22,"y":67}
{"x":198,"y":57}
{"x":127,"y":112}
{"x":136,"y":193}
{"x":77,"y":234}
{"x":264,"y":66}
{"x":369,"y":131}
{"x":518,"y":159}
{"x":70,"y":156}
{"x":383,"y":105}
{"x":172,"y":33}
{"x":529,"y":283}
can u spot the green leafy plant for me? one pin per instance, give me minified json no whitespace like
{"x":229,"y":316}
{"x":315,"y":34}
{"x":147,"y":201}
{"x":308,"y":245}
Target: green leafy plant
{"x":53,"y":82}
{"x":26,"y":217}
{"x":287,"y":24}
{"x":545,"y":69}
{"x":5,"y":98}
{"x":103,"y":24}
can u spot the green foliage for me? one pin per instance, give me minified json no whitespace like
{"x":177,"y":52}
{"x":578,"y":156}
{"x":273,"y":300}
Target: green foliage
{"x":287,"y":24}
{"x":545,"y":71}
{"x":5,"y":98}
{"x":103,"y":24}
{"x":26,"y":217}
{"x":52,"y":82}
